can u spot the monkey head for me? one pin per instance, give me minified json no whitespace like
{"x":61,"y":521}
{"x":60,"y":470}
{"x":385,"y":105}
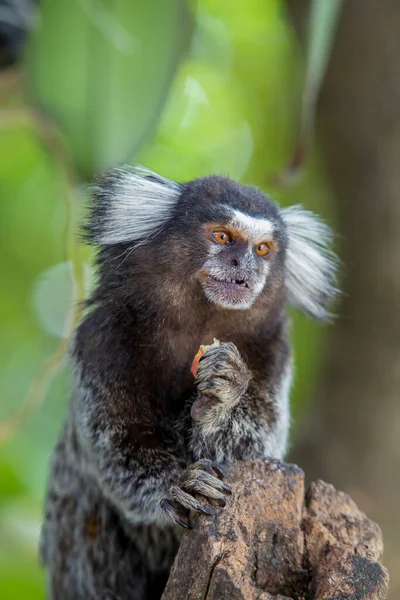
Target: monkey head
{"x":226,"y":242}
{"x":237,"y":240}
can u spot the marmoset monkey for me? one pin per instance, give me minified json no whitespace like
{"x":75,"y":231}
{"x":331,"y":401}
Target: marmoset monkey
{"x":178,"y":265}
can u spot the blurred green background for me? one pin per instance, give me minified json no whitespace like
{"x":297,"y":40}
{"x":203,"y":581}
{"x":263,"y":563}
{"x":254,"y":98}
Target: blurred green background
{"x":186,"y":89}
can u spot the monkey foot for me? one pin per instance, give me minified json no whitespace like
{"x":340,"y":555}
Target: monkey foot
{"x":202,"y":477}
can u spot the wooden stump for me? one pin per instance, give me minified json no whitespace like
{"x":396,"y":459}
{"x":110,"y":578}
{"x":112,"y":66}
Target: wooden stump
{"x":274,"y":541}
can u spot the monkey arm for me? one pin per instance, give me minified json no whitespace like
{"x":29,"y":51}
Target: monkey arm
{"x":134,"y":461}
{"x":239,"y":414}
{"x":139,"y":463}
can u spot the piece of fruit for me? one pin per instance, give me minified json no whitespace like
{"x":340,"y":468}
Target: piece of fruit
{"x":203,"y":348}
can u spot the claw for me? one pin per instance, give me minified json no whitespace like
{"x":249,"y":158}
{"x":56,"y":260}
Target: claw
{"x":204,"y":488}
{"x":200,"y":508}
{"x":218,"y":471}
{"x":176,"y":512}
{"x":185,"y":501}
{"x":227,"y":489}
{"x":221,"y":501}
{"x":184,"y":522}
{"x":211,"y":468}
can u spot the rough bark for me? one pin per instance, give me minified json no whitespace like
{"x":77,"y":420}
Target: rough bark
{"x":351,"y":436}
{"x":274,"y":541}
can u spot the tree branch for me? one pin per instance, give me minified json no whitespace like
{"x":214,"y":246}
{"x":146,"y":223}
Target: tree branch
{"x":273,"y":540}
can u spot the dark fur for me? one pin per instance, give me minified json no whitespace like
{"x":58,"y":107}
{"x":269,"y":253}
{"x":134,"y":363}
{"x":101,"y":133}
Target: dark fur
{"x":129,"y":435}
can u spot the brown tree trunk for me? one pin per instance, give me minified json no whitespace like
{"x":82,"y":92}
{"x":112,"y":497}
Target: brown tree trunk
{"x":273,"y":542}
{"x":352,"y":435}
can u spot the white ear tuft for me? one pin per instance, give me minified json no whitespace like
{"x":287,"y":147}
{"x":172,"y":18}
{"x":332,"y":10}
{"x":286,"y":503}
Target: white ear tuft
{"x":311,"y":265}
{"x":130,"y":204}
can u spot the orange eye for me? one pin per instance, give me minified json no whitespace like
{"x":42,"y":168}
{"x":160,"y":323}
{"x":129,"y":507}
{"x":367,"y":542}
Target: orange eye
{"x":262,"y":249}
{"x":222,"y":237}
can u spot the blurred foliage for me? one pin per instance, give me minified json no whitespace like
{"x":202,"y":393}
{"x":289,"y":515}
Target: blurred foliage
{"x":116,"y":63}
{"x":102,"y":71}
{"x":321,"y":28}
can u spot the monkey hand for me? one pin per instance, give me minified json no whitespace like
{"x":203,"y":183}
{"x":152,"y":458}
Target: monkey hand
{"x":222,"y":380}
{"x":202,"y":477}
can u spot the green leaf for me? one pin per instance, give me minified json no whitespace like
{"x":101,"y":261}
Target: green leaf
{"x":102,"y":70}
{"x":323,"y":20}
{"x":322,"y":26}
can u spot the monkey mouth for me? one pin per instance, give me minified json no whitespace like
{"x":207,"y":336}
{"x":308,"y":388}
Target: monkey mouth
{"x":228,"y":292}
{"x":229,"y":282}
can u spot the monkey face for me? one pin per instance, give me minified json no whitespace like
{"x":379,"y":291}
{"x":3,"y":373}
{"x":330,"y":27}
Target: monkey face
{"x":240,"y":254}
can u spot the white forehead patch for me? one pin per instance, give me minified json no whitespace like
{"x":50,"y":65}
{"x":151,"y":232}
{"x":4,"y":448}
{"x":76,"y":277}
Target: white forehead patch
{"x":253,"y":228}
